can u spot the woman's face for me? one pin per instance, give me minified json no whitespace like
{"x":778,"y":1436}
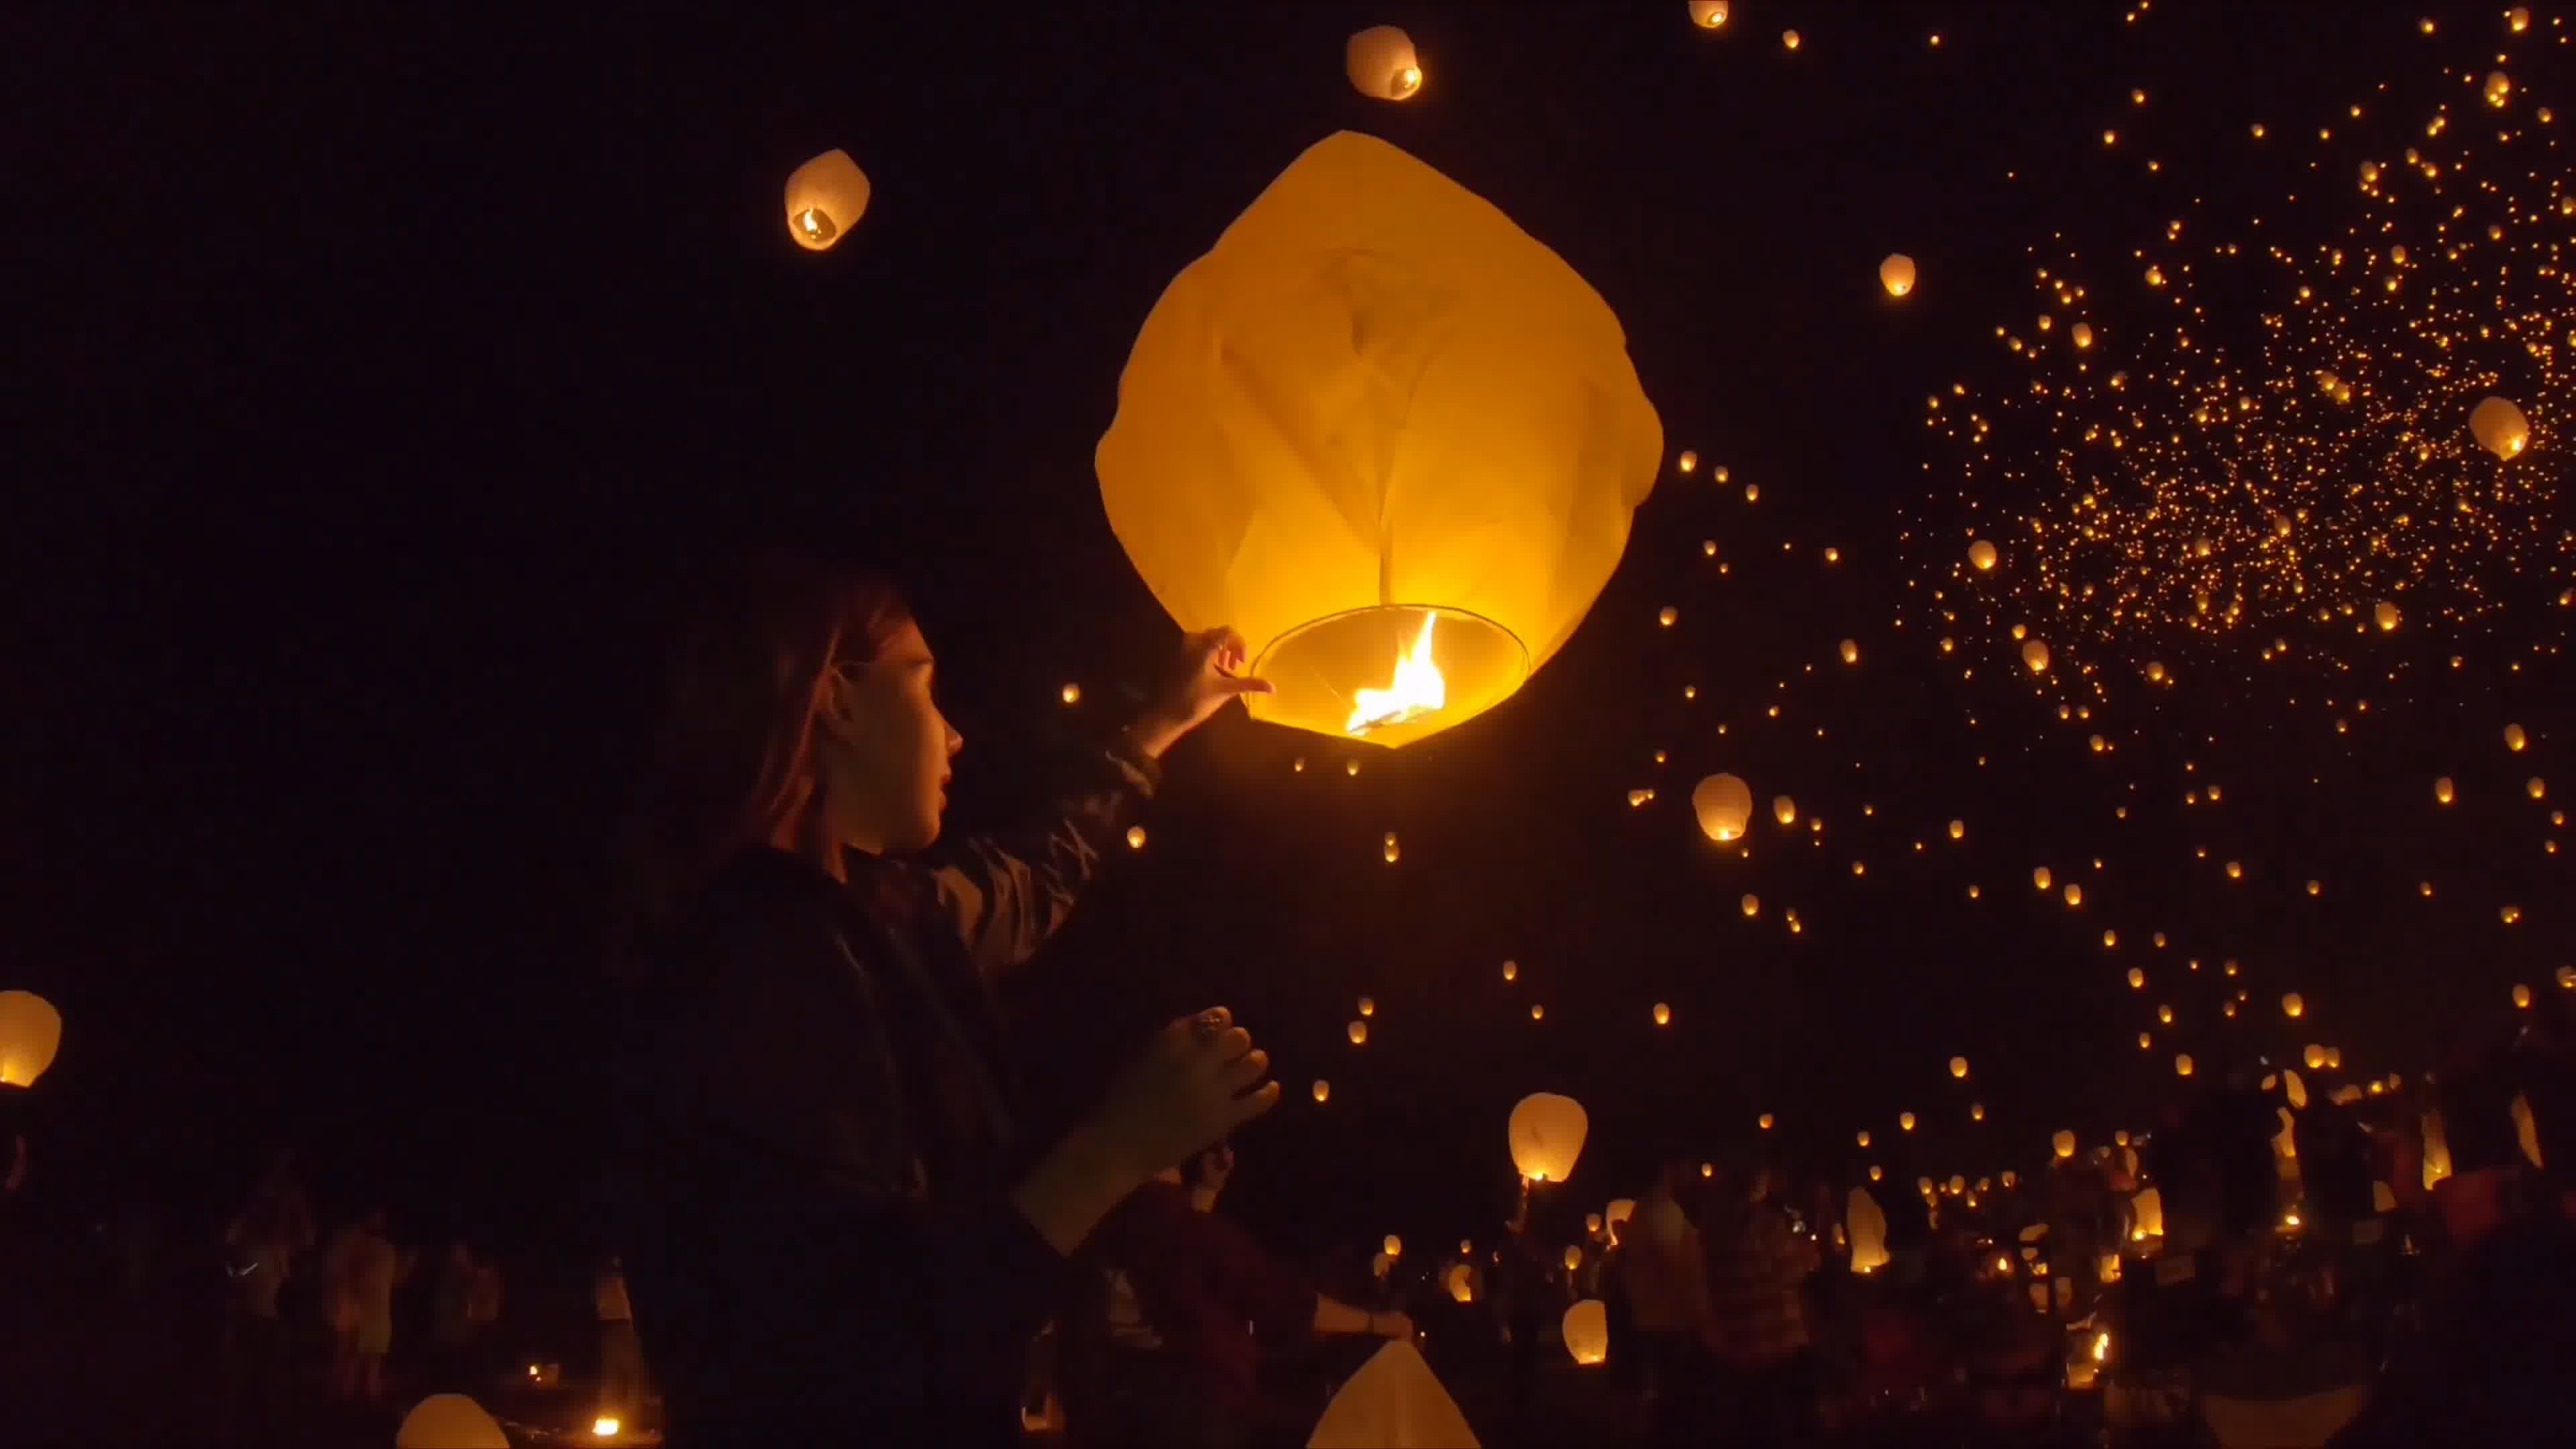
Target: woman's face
{"x":885,"y":750}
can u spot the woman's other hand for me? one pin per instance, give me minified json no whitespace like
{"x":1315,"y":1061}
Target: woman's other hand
{"x":1198,"y":1080}
{"x":1206,"y":676}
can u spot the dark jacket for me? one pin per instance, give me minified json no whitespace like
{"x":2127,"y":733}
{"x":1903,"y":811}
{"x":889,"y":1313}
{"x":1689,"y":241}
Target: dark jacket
{"x":812,"y":1174}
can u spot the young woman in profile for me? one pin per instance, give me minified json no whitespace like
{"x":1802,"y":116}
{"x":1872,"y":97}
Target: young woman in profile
{"x":825,"y":1237}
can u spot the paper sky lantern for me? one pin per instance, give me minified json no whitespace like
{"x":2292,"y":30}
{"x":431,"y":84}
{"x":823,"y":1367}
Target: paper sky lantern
{"x":1547,"y":1136}
{"x":2384,"y":614}
{"x":1784,"y":809}
{"x":1381,"y":64}
{"x":1896,"y":274}
{"x":2442,"y":790}
{"x":1851,"y":651}
{"x":2137,"y":978}
{"x":2083,"y":335}
{"x":1763,"y":1122}
{"x":1573,"y":1258}
{"x":1511,"y":970}
{"x":1663,"y":1014}
{"x":1866,"y":1228}
{"x":2514,"y":738}
{"x":2521,"y":995}
{"x":2034,"y":655}
{"x":1368,"y":1006}
{"x":2437,"y":1151}
{"x":2040,"y":878}
{"x":2182,"y":1065}
{"x":31,"y":1031}
{"x":450,"y":1421}
{"x":2295,"y":1089}
{"x":1135,"y":837}
{"x":2147,"y":1213}
{"x":1751,"y":905}
{"x":1708,"y":14}
{"x":2063,"y":1144}
{"x":2293,"y":1005}
{"x":1976,"y":1111}
{"x":1394,"y":1399}
{"x":1592,"y":1224}
{"x":2536,"y":787}
{"x":1392,"y":849}
{"x":1587,"y":1330}
{"x":1688,"y":461}
{"x":1958,"y":1066}
{"x":1358,"y":1032}
{"x":1724,"y":805}
{"x":2314,"y":1056}
{"x":1904,"y":1121}
{"x":1862,"y":1139}
{"x":1388,"y":436}
{"x":1323,"y":1089}
{"x":825,"y":198}
{"x":2074,"y":894}
{"x":1460,"y":1282}
{"x":1072,"y":694}
{"x":1981,"y":555}
{"x":1394,"y":1246}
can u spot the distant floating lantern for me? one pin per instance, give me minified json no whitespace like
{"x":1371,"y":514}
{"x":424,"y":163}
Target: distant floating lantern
{"x":2164,"y":1015}
{"x":2083,"y":335}
{"x":2442,"y":790}
{"x":2385,"y":614}
{"x":1724,"y":805}
{"x":2514,"y":738}
{"x":2063,"y":1144}
{"x":1368,"y":1006}
{"x":2040,"y":878}
{"x":1304,"y":488}
{"x":1851,"y":651}
{"x":2521,"y":996}
{"x":2155,"y":671}
{"x":1547,"y":1133}
{"x":2146,"y":1041}
{"x":2182,"y":1065}
{"x":1511,"y":970}
{"x":2292,"y":1005}
{"x":2498,"y":89}
{"x":2074,"y":894}
{"x":1896,"y":273}
{"x":1763,"y":1122}
{"x":1708,"y":14}
{"x":1688,"y":460}
{"x":2518,"y":19}
{"x":1587,"y":1324}
{"x":1751,"y":905}
{"x":1784,"y":809}
{"x":1981,"y":555}
{"x":1323,"y":1089}
{"x":1976,"y":1111}
{"x":2137,"y":978}
{"x":1358,"y":1032}
{"x":2110,"y":940}
{"x":2535,"y":787}
{"x":1072,"y":694}
{"x":1392,"y":848}
{"x":1861,"y":1138}
{"x":1668,"y":616}
{"x":1904,"y":1121}
{"x":825,"y":198}
{"x":1135,"y":837}
{"x":1459,"y":1279}
{"x":2510,"y":915}
{"x":1959,"y":1067}
{"x":2235,"y":870}
{"x":1790,"y":39}
{"x":2034,"y":654}
{"x":1958,"y":829}
{"x":31,"y":1031}
{"x":1663,"y":1014}
{"x":1381,"y":64}
{"x":1538,"y":1013}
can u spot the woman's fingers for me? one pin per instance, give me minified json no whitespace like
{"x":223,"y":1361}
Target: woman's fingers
{"x":1241,"y":1073}
{"x":1253,"y":1103}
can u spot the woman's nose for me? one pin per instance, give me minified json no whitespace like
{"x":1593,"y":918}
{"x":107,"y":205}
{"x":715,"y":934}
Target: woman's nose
{"x":956,"y":741}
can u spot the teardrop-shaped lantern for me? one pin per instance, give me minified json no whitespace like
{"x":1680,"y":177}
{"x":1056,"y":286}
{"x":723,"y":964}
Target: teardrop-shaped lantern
{"x":825,"y":198}
{"x":1381,"y":64}
{"x":1724,"y":805}
{"x":1896,"y":274}
{"x":1547,"y":1136}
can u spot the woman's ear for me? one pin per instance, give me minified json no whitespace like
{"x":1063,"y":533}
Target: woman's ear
{"x":838,"y":711}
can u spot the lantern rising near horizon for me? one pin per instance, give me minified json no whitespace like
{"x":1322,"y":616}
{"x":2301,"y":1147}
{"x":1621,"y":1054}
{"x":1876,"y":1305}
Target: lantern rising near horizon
{"x":1386,"y":434}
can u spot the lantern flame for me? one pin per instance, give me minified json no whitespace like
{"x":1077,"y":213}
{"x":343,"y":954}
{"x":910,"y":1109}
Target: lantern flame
{"x":1416,"y":690}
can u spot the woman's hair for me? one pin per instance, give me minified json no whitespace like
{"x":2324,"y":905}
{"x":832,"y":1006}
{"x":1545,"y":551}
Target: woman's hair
{"x":732,"y":758}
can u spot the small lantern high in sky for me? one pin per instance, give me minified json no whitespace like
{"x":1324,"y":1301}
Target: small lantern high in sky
{"x":1896,"y":274}
{"x":1414,"y":516}
{"x":825,"y":197}
{"x":1381,"y":64}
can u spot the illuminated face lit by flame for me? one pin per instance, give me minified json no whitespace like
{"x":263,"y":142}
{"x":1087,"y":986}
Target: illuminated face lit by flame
{"x":1416,"y":690}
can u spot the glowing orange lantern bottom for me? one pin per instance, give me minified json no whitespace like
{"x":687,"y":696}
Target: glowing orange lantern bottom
{"x":1390,"y":674}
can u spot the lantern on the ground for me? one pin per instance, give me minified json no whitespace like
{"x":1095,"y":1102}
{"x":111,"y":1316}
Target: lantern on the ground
{"x":825,"y":198}
{"x":1587,"y":1329}
{"x":1724,"y":805}
{"x":450,"y":1421}
{"x":1388,"y":436}
{"x":1381,"y":63}
{"x":1547,"y":1136}
{"x":31,"y":1031}
{"x":1896,"y":274}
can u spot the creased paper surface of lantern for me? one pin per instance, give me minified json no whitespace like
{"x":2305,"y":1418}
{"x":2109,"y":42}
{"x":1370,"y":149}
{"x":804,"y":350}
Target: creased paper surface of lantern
{"x":1386,"y":434}
{"x":31,"y":1031}
{"x":1547,"y":1136}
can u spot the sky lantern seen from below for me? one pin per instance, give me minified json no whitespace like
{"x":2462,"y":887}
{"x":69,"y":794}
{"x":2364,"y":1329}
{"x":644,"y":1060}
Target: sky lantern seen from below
{"x":825,"y":197}
{"x":1708,"y":14}
{"x":1904,"y":1121}
{"x":2063,"y":1144}
{"x":2514,"y":738}
{"x":1784,"y":809}
{"x":1724,"y":805}
{"x":2182,"y":1065}
{"x":1663,"y":1014}
{"x":2034,"y":654}
{"x":1547,"y":1136}
{"x":2293,"y":1005}
{"x":1896,"y":274}
{"x":2442,"y":790}
{"x":1981,"y":556}
{"x":1406,"y":525}
{"x":1764,"y":1122}
{"x":2499,"y":428}
{"x":1358,"y":1031}
{"x":1381,"y":64}
{"x":2384,"y":614}
{"x":1959,"y":1067}
{"x":31,"y":1031}
{"x":1587,"y":1327}
{"x":1323,"y":1089}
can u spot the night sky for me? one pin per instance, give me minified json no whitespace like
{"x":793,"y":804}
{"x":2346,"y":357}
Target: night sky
{"x":404,"y":372}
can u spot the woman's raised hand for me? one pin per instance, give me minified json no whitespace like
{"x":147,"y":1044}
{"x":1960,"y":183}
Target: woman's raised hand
{"x":1208,"y":674}
{"x":1198,"y":1080}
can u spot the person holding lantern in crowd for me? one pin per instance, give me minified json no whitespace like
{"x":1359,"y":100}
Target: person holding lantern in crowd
{"x":828,"y":1229}
{"x":1165,"y":1323}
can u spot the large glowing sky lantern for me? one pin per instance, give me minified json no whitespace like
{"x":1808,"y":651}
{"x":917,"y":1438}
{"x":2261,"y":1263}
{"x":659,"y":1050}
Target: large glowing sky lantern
{"x":1387,"y":435}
